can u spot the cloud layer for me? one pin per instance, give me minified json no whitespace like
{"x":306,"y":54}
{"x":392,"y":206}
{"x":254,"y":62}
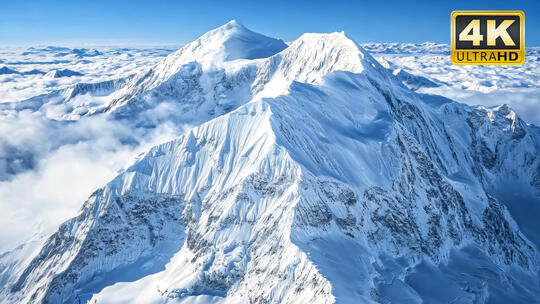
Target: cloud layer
{"x":488,"y":85}
{"x":68,"y":161}
{"x":49,"y":167}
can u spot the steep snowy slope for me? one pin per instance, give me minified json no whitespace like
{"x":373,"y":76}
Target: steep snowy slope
{"x":327,"y":180}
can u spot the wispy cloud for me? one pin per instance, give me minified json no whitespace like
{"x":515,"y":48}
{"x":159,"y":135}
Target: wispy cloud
{"x":70,"y":161}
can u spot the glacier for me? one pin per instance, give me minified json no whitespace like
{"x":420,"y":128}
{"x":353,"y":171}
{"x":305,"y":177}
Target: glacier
{"x":312,"y":175}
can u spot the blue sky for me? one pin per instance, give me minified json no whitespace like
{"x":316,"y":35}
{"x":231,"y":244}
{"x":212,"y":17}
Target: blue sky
{"x":25,"y":22}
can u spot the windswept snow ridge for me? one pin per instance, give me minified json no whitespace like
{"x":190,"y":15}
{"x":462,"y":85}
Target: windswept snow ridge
{"x":312,"y":175}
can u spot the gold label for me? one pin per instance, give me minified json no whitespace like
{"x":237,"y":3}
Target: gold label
{"x":488,"y":37}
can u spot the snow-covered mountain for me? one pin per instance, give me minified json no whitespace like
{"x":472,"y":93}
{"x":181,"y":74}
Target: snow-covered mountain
{"x":61,"y":73}
{"x":312,"y":175}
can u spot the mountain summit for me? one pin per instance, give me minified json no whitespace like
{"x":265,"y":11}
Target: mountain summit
{"x":207,"y":62}
{"x":312,"y":175}
{"x":234,"y":41}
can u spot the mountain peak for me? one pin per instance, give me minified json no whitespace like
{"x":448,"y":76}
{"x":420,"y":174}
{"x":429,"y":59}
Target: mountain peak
{"x":228,"y":42}
{"x":234,"y":24}
{"x":232,"y":27}
{"x":330,"y":42}
{"x":214,"y":49}
{"x":313,"y":55}
{"x":234,"y":41}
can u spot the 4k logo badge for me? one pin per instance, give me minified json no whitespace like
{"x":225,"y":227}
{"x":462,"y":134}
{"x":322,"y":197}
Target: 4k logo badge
{"x":488,"y":37}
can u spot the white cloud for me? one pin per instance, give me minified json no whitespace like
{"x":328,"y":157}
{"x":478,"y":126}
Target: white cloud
{"x":524,"y":101}
{"x":49,"y":167}
{"x":113,"y":63}
{"x":488,"y":85}
{"x":71,"y":161}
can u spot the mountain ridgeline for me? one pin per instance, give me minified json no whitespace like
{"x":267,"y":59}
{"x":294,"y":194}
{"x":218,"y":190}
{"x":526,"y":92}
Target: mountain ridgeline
{"x":311,"y":175}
